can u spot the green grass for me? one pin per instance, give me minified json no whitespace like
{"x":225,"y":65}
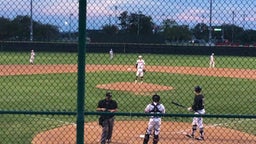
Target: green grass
{"x":58,"y":92}
{"x":130,"y":59}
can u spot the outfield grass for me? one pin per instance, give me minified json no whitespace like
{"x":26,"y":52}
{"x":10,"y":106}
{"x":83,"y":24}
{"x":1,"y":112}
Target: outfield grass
{"x":58,"y":92}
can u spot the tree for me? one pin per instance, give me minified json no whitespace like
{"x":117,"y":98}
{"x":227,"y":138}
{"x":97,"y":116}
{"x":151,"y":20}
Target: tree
{"x":231,"y":32}
{"x":200,"y":31}
{"x":168,"y":23}
{"x":248,"y":37}
{"x":19,"y":29}
{"x":123,"y":18}
{"x":178,"y":33}
{"x":45,"y":32}
{"x":136,"y":23}
{"x":110,"y":29}
{"x":4,"y":28}
{"x":174,"y":32}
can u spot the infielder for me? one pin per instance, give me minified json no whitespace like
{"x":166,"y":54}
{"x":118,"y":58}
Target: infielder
{"x":140,"y":66}
{"x":155,"y":121}
{"x":197,"y":108}
{"x":212,"y":61}
{"x":111,"y":54}
{"x":32,"y":57}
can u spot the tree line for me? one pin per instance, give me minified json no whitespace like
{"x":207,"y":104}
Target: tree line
{"x":131,"y":27}
{"x":19,"y":29}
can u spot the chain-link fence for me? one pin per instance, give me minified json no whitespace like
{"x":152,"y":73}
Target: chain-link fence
{"x":176,"y":44}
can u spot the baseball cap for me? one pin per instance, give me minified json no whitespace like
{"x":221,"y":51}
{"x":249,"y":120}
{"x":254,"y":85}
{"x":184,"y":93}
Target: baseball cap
{"x":108,"y":94}
{"x":198,"y":89}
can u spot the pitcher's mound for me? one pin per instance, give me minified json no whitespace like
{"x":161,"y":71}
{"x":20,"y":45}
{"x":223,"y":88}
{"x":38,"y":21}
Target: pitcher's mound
{"x":137,"y":88}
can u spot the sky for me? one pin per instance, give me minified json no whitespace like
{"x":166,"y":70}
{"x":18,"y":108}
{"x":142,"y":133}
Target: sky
{"x":64,"y":13}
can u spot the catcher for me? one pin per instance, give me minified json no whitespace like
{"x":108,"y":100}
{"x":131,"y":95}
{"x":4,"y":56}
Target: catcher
{"x":155,"y":121}
{"x":140,"y":66}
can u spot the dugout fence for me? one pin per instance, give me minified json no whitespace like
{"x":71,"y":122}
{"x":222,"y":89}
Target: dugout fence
{"x":51,"y":96}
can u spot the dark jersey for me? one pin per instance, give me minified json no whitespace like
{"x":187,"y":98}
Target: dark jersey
{"x":108,"y":104}
{"x":198,"y":102}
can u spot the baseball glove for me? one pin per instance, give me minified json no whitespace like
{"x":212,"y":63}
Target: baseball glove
{"x":144,"y":70}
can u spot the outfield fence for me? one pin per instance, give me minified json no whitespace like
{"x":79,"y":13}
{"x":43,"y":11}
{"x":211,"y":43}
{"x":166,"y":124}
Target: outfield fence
{"x":50,"y":96}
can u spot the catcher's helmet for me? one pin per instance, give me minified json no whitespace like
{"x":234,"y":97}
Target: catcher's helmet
{"x":156,"y":98}
{"x":108,"y":94}
{"x":198,"y":89}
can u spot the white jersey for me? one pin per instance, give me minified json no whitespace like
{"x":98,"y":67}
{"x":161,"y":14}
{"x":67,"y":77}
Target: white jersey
{"x":140,"y":64}
{"x":32,"y":57}
{"x":111,"y":52}
{"x":212,"y":63}
{"x":211,"y":58}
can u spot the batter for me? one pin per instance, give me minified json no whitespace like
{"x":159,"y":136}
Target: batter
{"x":197,"y":108}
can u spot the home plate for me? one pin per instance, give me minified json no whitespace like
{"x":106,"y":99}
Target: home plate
{"x":142,"y":136}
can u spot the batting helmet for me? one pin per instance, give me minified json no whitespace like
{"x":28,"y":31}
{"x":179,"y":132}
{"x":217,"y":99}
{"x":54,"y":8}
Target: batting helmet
{"x":156,"y":98}
{"x":108,"y":94}
{"x":139,"y":56}
{"x":198,"y":89}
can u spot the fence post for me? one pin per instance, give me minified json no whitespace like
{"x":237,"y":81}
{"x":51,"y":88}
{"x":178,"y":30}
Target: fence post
{"x":81,"y":72}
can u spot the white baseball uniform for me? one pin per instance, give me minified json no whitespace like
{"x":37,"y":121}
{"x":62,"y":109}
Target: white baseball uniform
{"x":140,"y":66}
{"x":32,"y":57}
{"x":212,"y":61}
{"x":198,"y":120}
{"x":111,"y":53}
{"x":154,"y":122}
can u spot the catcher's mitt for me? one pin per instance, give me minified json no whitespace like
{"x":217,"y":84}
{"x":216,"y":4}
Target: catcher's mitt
{"x":144,"y":70}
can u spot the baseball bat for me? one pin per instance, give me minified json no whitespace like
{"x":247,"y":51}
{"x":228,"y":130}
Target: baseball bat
{"x":179,"y":105}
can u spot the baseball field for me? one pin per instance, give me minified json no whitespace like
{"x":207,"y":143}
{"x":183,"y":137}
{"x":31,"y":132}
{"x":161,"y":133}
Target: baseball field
{"x":51,"y":85}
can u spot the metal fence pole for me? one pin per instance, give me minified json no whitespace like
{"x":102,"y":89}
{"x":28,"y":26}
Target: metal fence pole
{"x":81,"y":72}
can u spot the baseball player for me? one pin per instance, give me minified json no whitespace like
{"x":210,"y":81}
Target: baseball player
{"x":197,"y":108}
{"x":155,"y":121}
{"x":32,"y":57}
{"x":111,"y":54}
{"x":140,"y":66}
{"x":212,"y":61}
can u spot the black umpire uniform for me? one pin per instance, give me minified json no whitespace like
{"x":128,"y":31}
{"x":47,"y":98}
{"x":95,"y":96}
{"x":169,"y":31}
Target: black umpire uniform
{"x":107,"y":121}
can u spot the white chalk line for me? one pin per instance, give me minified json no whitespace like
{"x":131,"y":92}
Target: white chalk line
{"x":185,"y":131}
{"x":231,"y":122}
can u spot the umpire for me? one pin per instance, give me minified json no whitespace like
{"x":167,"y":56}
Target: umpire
{"x":107,"y":121}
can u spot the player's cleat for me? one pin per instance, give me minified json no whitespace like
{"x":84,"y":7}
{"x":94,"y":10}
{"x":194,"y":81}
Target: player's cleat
{"x":108,"y":140}
{"x":200,"y":138}
{"x":189,"y":136}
